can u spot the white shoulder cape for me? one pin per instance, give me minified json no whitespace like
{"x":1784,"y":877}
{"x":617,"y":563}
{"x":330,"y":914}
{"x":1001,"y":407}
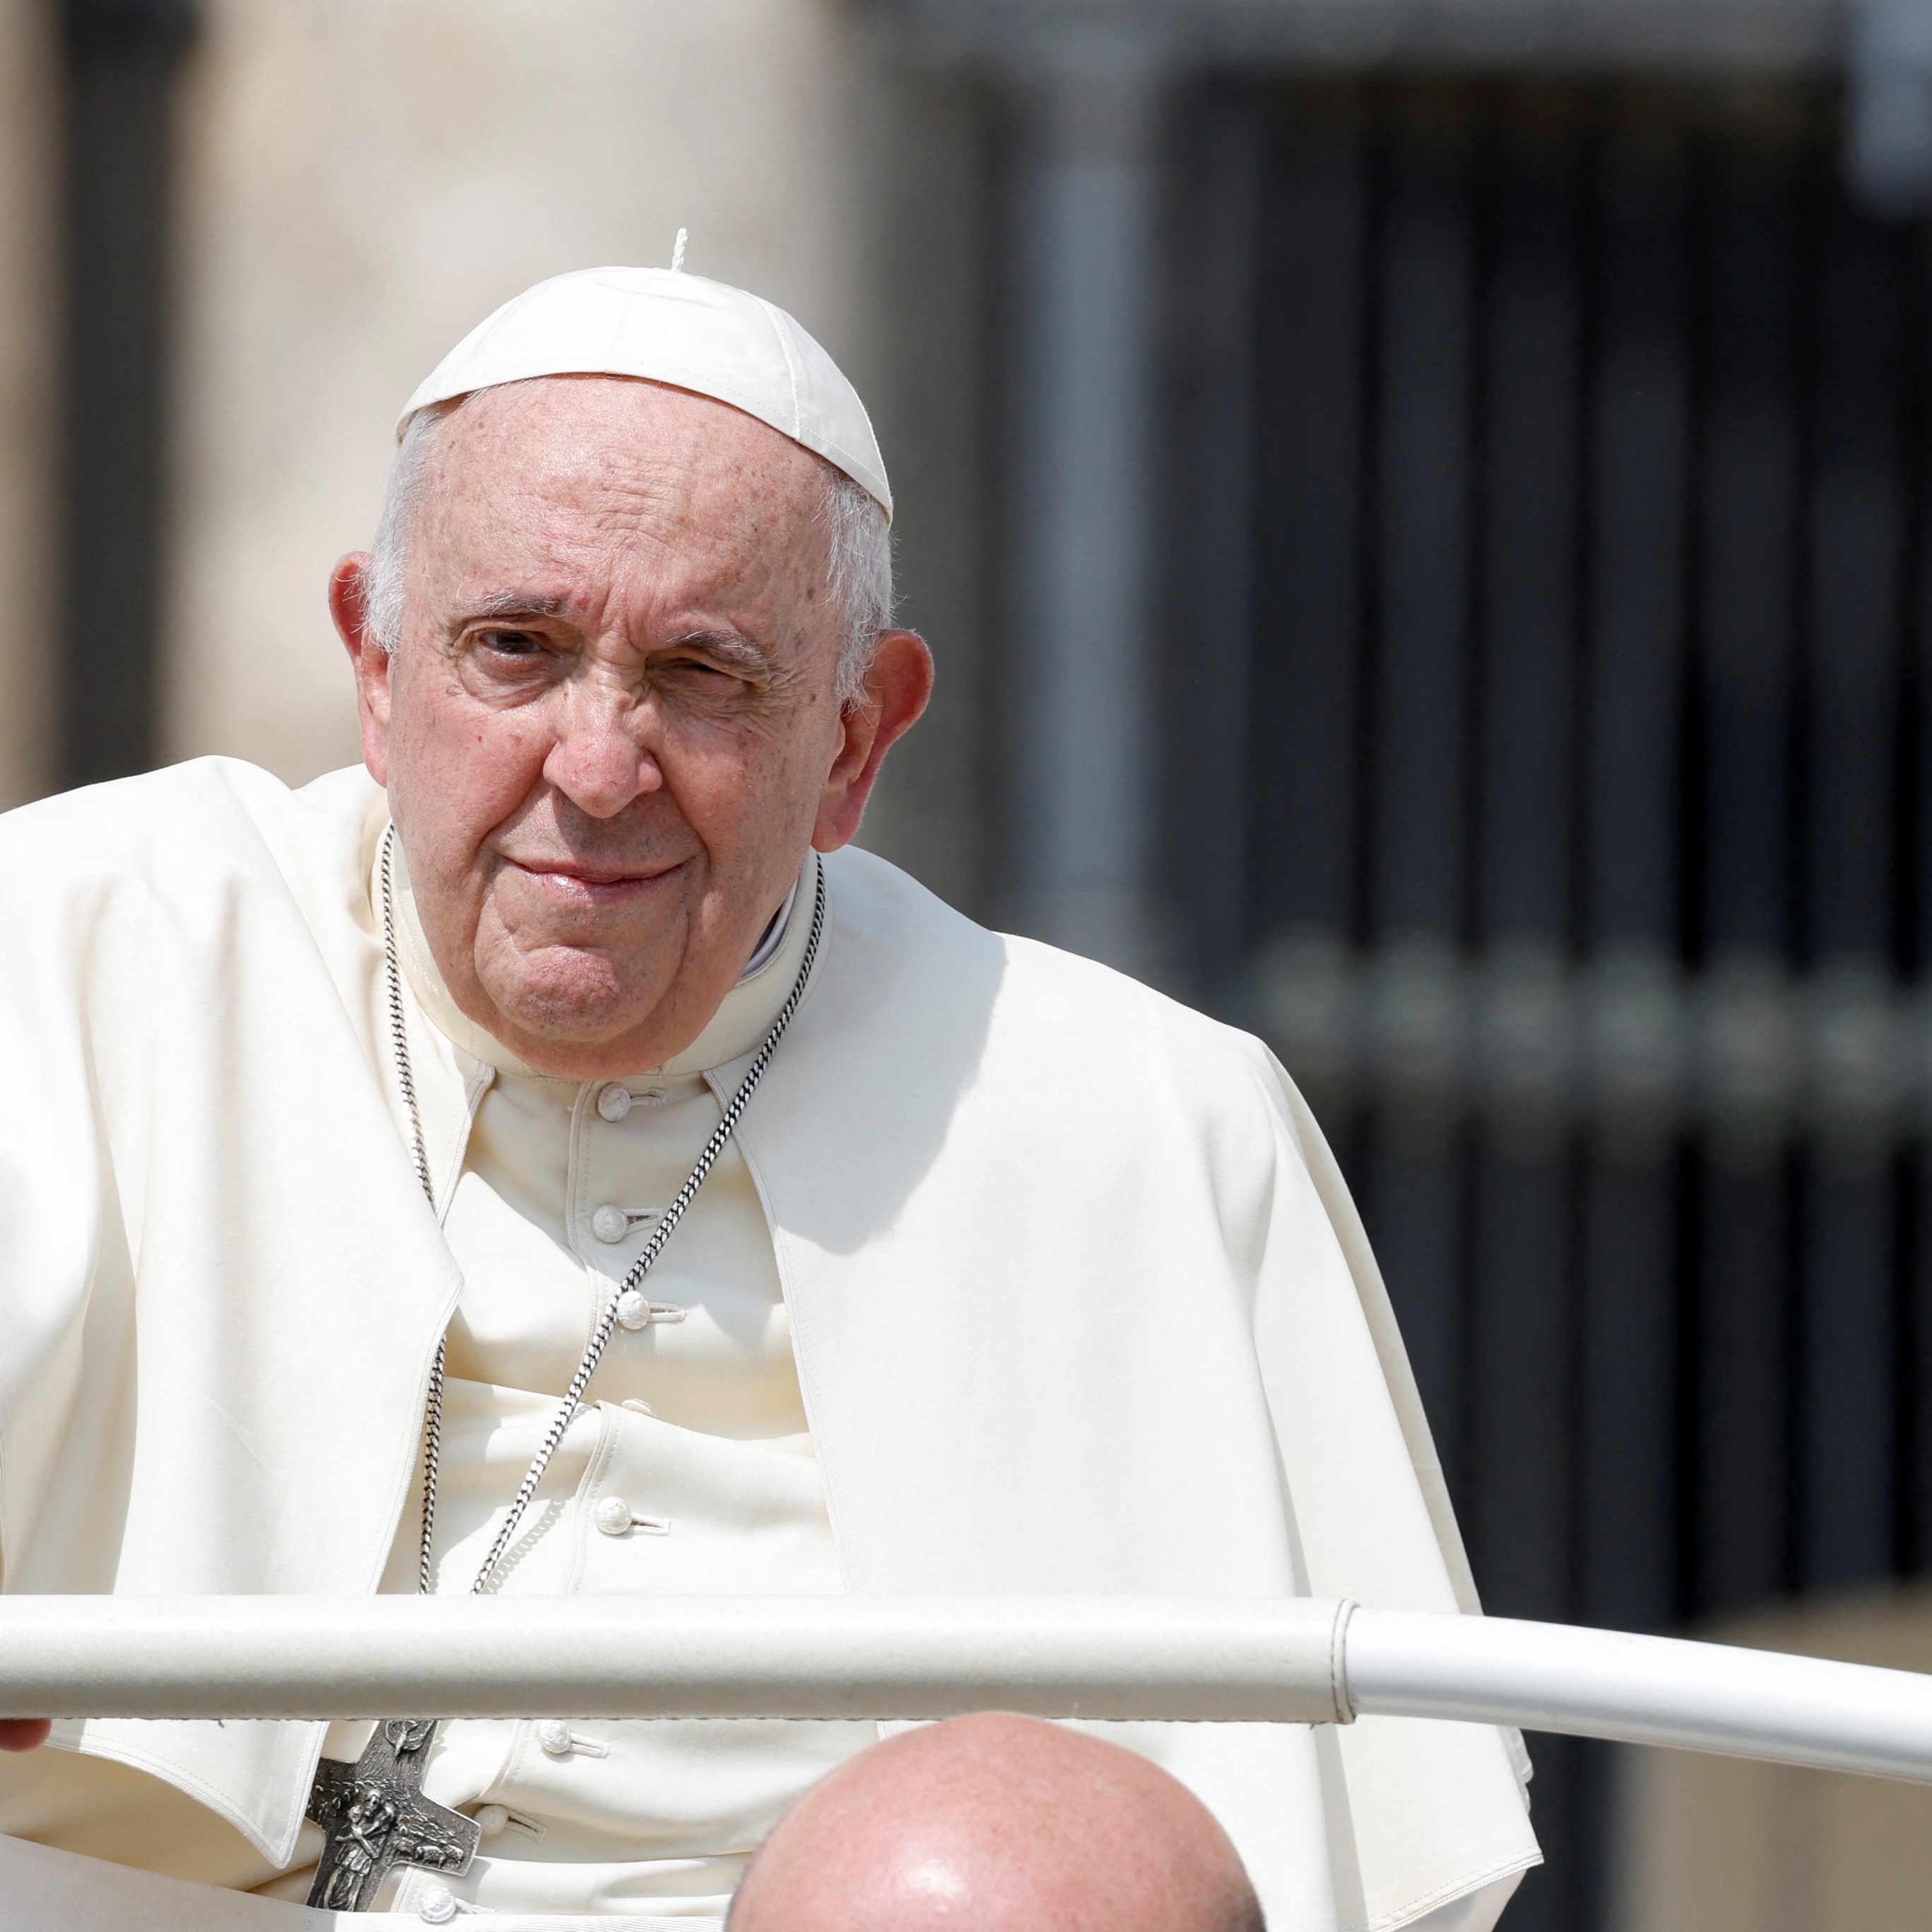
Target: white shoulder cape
{"x":1080,"y":1301}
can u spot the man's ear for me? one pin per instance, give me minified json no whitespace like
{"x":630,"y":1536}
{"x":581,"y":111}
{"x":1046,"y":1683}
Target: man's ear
{"x":348,"y":605}
{"x":897,"y":688}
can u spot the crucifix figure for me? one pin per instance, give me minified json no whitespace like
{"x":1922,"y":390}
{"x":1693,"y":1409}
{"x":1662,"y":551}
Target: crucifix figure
{"x":374,"y":1817}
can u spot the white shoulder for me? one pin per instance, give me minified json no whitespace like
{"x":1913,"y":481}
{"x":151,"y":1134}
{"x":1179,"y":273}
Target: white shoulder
{"x":202,"y":819}
{"x":1062,"y":1007}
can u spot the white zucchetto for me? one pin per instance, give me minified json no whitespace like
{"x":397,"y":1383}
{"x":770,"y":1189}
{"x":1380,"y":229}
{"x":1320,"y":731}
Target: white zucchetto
{"x":669,"y":327}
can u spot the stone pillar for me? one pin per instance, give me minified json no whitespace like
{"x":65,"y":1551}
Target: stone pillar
{"x":30,"y":660}
{"x":1077,"y":676}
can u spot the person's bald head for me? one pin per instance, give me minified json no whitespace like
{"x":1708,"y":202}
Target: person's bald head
{"x":997,"y":1824}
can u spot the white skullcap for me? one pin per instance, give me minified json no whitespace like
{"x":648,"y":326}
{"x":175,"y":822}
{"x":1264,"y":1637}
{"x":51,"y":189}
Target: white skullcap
{"x":670,"y":327}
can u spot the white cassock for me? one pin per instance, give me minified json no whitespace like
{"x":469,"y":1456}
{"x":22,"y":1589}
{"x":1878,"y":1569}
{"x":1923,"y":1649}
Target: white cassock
{"x":1017,"y":1278}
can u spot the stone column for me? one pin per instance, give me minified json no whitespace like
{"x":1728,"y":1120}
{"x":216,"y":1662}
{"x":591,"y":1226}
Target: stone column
{"x":1077,"y":677}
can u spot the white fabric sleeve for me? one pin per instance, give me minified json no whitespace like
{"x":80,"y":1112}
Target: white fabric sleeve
{"x":1475,"y":1912}
{"x":44,"y":1890}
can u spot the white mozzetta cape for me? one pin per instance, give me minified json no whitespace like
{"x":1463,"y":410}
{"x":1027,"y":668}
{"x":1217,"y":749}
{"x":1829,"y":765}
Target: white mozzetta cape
{"x":1080,"y":1302}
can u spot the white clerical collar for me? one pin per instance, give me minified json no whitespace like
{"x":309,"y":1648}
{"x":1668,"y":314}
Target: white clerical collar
{"x":742,"y":1019}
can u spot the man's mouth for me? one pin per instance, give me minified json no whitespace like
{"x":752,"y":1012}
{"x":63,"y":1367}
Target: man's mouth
{"x":577,"y":885}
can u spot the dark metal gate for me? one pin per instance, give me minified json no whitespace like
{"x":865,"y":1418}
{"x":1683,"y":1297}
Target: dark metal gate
{"x":1549,"y":507}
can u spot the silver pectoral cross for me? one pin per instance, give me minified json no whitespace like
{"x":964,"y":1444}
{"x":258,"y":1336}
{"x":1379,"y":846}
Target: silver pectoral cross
{"x":373,"y":1817}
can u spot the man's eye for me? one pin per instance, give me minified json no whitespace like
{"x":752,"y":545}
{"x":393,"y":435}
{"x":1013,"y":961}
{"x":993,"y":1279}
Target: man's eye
{"x":512,"y":643}
{"x":696,"y":672}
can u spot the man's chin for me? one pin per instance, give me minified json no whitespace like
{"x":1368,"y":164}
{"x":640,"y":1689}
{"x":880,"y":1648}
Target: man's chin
{"x":580,"y":1005}
{"x":574,"y":1023}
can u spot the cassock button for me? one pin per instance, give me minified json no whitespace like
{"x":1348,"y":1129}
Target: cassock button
{"x":610,"y":1224}
{"x":633,"y":1310}
{"x":437,"y":1905}
{"x":554,"y":1735}
{"x":612,"y":1516}
{"x":492,"y":1820}
{"x":614,"y":1103}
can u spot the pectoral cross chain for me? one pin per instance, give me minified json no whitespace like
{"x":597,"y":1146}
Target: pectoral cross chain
{"x":373,"y":1814}
{"x":374,"y":1817}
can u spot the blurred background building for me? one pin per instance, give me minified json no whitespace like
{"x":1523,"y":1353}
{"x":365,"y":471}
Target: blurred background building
{"x":1421,"y":507}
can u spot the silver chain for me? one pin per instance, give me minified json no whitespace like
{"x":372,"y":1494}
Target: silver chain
{"x":601,"y":1336}
{"x":399,"y":1040}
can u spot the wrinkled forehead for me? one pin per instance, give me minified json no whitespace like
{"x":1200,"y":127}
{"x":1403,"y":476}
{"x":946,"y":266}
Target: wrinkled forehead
{"x":572,"y":467}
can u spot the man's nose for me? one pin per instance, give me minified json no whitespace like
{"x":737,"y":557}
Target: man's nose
{"x":598,"y":760}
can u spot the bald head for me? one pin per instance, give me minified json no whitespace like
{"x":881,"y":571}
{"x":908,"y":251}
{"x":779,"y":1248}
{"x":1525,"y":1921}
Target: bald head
{"x":997,"y":1824}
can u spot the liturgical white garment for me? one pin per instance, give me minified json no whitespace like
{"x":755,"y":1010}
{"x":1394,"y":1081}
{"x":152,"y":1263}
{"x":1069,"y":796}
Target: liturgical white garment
{"x":1019,"y":1279}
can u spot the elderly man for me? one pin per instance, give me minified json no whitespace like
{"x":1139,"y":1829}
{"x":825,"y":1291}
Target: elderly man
{"x":555,"y":1159}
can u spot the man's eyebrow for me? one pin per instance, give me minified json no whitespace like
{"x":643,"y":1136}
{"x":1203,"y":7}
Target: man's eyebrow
{"x":501,"y":604}
{"x":730,"y":647}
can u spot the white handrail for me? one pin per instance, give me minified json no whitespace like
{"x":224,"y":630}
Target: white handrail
{"x":1643,"y":1689}
{"x":1123,"y":1658}
{"x":677,"y":1657}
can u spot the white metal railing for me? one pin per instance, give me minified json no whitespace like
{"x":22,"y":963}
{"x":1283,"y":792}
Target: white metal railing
{"x":1190,"y":1658}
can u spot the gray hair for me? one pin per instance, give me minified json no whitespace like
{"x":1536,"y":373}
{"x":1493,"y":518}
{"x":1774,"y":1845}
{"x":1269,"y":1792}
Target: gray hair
{"x":859,"y":565}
